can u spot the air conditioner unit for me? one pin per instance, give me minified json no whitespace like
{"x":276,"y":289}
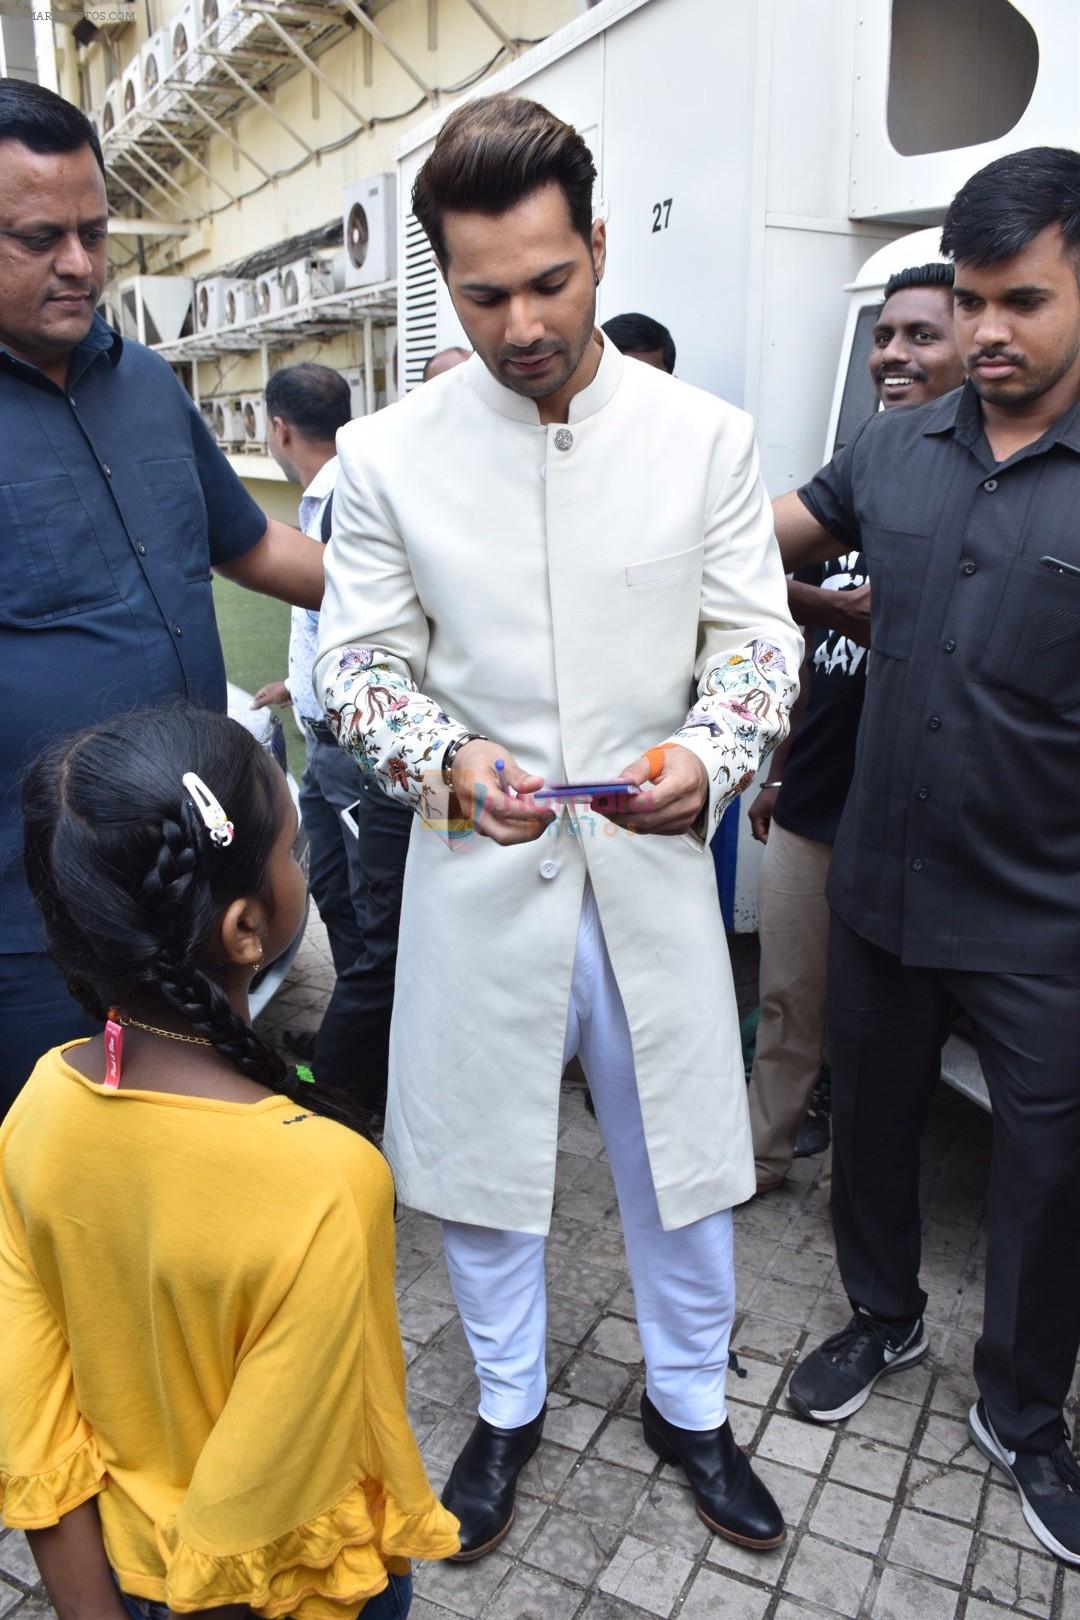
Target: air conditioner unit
{"x":156,"y":57}
{"x":269,"y":294}
{"x":228,"y":422}
{"x":131,"y":80}
{"x":210,"y":303}
{"x":153,"y":309}
{"x":184,"y":30}
{"x":369,"y":222}
{"x":212,"y":11}
{"x":112,"y":108}
{"x":304,"y":280}
{"x":239,"y":302}
{"x":253,"y":412}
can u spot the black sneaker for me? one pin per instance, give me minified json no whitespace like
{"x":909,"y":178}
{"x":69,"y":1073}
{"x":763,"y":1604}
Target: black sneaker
{"x":1048,"y":1484}
{"x":837,"y":1377}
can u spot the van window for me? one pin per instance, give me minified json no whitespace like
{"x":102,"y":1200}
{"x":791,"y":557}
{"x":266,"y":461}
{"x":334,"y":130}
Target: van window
{"x":960,"y":72}
{"x":860,"y":396}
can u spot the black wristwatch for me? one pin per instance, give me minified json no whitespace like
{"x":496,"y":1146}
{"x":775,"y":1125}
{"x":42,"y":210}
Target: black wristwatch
{"x":453,"y":750}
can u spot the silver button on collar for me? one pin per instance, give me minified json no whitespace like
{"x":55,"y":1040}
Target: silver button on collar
{"x":564,"y":439}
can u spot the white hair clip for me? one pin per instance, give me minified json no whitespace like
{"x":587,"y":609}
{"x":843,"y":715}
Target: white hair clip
{"x":221,"y":830}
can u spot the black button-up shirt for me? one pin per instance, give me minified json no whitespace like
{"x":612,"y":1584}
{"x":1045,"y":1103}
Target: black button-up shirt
{"x":960,"y":842}
{"x":114,"y":503}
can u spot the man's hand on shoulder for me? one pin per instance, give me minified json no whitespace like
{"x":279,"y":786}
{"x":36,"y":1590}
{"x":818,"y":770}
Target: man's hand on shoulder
{"x":847,"y":612}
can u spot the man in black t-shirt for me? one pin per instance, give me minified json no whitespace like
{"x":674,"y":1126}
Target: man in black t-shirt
{"x":914,"y":360}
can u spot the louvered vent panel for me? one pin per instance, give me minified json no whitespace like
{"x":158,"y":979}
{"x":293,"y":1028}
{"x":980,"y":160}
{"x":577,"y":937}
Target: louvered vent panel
{"x":421,"y":280}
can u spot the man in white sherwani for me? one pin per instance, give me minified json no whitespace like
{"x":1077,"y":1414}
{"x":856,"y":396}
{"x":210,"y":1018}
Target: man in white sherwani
{"x":543,"y":558}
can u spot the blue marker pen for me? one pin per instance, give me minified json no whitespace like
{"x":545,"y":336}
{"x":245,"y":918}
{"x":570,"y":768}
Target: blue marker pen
{"x":500,"y":772}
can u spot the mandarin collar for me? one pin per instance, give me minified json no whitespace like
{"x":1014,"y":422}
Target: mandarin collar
{"x":517,"y":408}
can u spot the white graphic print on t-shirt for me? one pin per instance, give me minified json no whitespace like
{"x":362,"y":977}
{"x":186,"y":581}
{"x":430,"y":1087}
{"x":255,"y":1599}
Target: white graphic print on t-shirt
{"x":836,"y":653}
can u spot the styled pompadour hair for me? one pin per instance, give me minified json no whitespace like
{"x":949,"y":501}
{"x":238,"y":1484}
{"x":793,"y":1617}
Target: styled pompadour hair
{"x":494,"y":152}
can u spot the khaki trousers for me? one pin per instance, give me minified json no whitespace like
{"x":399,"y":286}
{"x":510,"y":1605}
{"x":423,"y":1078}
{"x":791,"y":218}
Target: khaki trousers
{"x":793,"y":924}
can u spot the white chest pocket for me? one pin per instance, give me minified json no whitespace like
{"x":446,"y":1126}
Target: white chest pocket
{"x":661,"y":570}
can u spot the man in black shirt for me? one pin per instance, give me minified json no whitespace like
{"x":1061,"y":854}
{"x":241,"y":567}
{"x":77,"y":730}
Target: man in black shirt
{"x":956,"y":871}
{"x":914,"y":359}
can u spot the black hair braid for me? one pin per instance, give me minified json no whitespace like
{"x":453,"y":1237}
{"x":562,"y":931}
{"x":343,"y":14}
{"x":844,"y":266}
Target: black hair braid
{"x":132,"y":888}
{"x":171,"y":888}
{"x":205,"y":1006}
{"x":171,"y":892}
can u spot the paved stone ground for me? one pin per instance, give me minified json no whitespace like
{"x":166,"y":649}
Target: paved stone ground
{"x":893,"y":1516}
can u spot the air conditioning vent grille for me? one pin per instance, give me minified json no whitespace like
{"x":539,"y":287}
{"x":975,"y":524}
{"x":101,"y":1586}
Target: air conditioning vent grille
{"x":421,"y":293}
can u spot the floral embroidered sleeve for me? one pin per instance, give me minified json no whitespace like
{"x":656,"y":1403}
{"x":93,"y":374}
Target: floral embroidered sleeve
{"x":372,"y":651}
{"x":749,"y":649}
{"x":396,"y":735}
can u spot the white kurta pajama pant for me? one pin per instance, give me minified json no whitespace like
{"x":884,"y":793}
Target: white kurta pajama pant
{"x":683,"y":1280}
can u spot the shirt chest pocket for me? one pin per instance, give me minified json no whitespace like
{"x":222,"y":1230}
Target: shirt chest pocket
{"x":898,"y":564}
{"x":678,"y":566}
{"x":179,"y":515}
{"x":54,"y":564}
{"x":1034,"y":646}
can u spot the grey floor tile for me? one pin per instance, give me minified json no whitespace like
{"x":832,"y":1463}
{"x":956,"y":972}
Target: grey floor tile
{"x":666,"y":1513}
{"x":765,"y":1337}
{"x":799,"y":1445}
{"x":902,"y":1595}
{"x":600,"y":1490}
{"x":851,"y":1517}
{"x":946,"y":1440}
{"x":714,"y":1595}
{"x":16,"y":1559}
{"x":641,"y":1572}
{"x":592,"y":1378}
{"x":829,"y":1575}
{"x":868,"y":1464}
{"x":622,"y":1442}
{"x":756,"y":1381}
{"x":9,"y":1596}
{"x":461,"y":1588}
{"x":948,"y":1491}
{"x":883,"y":1418}
{"x":1019,"y":1580}
{"x":617,"y":1339}
{"x":931,"y":1546}
{"x":532,"y":1594}
{"x":572,"y":1547}
{"x":572,"y":1423}
{"x":570,"y":1319}
{"x":547,"y":1470}
{"x":790,"y":1302}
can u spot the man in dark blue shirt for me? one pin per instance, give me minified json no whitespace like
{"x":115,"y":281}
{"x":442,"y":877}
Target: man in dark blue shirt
{"x":115,"y":504}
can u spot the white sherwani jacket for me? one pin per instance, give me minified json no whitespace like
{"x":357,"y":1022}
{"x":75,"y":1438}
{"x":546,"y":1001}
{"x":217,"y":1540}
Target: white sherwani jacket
{"x":571,"y":592}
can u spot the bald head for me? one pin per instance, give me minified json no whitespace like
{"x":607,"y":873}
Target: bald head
{"x":444,"y":360}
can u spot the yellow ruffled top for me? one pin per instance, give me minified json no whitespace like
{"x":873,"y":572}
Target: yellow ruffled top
{"x":199,"y":1328}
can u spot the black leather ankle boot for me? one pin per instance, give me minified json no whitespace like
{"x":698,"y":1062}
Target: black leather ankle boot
{"x":728,"y":1495}
{"x":482,"y":1483}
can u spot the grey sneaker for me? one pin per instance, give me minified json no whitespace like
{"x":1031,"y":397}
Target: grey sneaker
{"x":837,"y":1377}
{"x":1048,"y":1484}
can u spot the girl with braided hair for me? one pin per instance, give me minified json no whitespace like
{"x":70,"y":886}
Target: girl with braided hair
{"x":202,"y":1393}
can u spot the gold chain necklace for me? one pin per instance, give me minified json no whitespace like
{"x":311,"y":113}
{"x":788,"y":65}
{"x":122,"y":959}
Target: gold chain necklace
{"x":168,"y":1034}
